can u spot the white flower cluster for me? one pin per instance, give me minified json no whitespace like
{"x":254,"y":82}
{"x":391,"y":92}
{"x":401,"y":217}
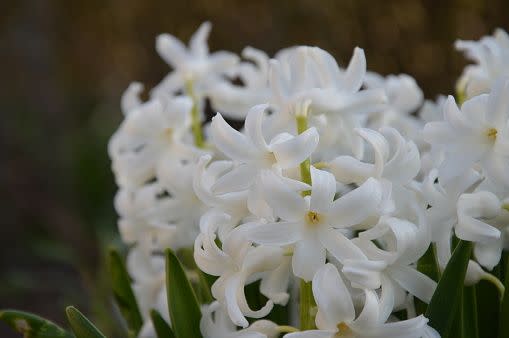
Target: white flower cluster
{"x":340,"y":178}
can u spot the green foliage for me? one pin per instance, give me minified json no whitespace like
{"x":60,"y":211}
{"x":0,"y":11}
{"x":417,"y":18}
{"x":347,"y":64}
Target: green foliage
{"x":441,"y":310}
{"x":185,"y":312}
{"x":428,"y":265}
{"x":121,"y":285}
{"x":163,"y":330}
{"x":80,"y":325}
{"x":32,"y":326}
{"x":504,"y":308}
{"x":469,"y":318}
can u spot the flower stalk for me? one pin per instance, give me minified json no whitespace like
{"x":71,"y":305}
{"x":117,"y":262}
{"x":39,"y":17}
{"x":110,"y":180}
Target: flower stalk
{"x":195,"y":116}
{"x":307,"y":301}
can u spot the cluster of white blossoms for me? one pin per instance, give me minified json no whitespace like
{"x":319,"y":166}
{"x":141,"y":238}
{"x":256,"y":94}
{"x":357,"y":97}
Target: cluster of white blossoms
{"x":337,"y":184}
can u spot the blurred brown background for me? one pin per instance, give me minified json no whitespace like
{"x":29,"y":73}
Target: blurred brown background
{"x":64,"y":65}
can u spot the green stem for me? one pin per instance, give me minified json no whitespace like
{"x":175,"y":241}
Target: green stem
{"x":496,"y":282}
{"x":195,"y":116}
{"x":305,"y":172}
{"x":306,"y":305}
{"x":307,"y":302}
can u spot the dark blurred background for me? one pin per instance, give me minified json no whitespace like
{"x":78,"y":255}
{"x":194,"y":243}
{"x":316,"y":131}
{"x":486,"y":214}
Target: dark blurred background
{"x":64,"y":65}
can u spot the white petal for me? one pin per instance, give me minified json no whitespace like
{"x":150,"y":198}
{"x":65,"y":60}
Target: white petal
{"x":415,"y":282}
{"x":239,"y":178}
{"x":354,"y":74}
{"x":286,"y":203}
{"x":362,"y":102}
{"x":482,"y":204}
{"x":198,"y":42}
{"x":311,"y":334}
{"x":348,"y":169}
{"x":222,"y":62}
{"x":364,"y":273}
{"x":308,"y":257}
{"x":278,"y":233}
{"x":262,"y":258}
{"x":488,"y":254}
{"x":339,"y":246}
{"x":322,"y":191}
{"x":232,"y":286}
{"x":332,"y":296}
{"x":410,"y":328}
{"x":275,"y":285}
{"x":386,"y":299}
{"x":131,"y":97}
{"x":171,"y":49}
{"x":370,"y":312}
{"x":253,"y":126}
{"x":231,"y":142}
{"x":497,"y":111}
{"x":292,"y":152}
{"x":357,"y":205}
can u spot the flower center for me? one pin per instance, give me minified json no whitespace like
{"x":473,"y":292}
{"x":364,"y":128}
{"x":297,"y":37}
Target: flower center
{"x":269,"y":159}
{"x":491,"y":133}
{"x":168,"y":134}
{"x":343,"y":330}
{"x":313,"y":218}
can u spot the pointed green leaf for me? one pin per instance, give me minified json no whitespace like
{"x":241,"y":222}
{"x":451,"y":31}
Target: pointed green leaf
{"x":457,"y":324}
{"x":32,"y":326}
{"x":504,"y":307}
{"x":121,"y":285}
{"x":441,"y":309}
{"x":428,"y":265}
{"x":470,"y":327}
{"x":184,"y":309}
{"x":163,"y":330}
{"x":488,"y":307}
{"x":80,"y":325}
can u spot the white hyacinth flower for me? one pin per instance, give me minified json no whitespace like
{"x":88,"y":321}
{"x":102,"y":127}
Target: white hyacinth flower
{"x":236,"y":264}
{"x":478,"y":133}
{"x":234,"y":101}
{"x":314,"y":224}
{"x":337,"y":317}
{"x":403,"y":98}
{"x":442,"y":216}
{"x":312,"y":74}
{"x":480,"y":215}
{"x":491,"y":54}
{"x":395,"y":159}
{"x":194,"y":64}
{"x":149,"y":287}
{"x":252,"y":153}
{"x":400,"y":244}
{"x":149,"y":135}
{"x":215,"y":323}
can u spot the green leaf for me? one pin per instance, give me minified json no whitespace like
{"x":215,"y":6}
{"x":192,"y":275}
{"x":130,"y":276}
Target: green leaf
{"x":184,"y":309}
{"x":121,"y":285}
{"x":504,"y":307}
{"x":441,"y":309}
{"x":163,"y":330}
{"x":80,"y":325}
{"x":428,"y":265}
{"x":457,"y":324}
{"x":470,"y":327}
{"x":488,"y":307}
{"x":32,"y":326}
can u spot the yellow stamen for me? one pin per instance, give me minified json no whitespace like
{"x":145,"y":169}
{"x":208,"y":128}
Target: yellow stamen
{"x":343,"y":330}
{"x":168,"y":133}
{"x":492,"y":133}
{"x":313,"y":218}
